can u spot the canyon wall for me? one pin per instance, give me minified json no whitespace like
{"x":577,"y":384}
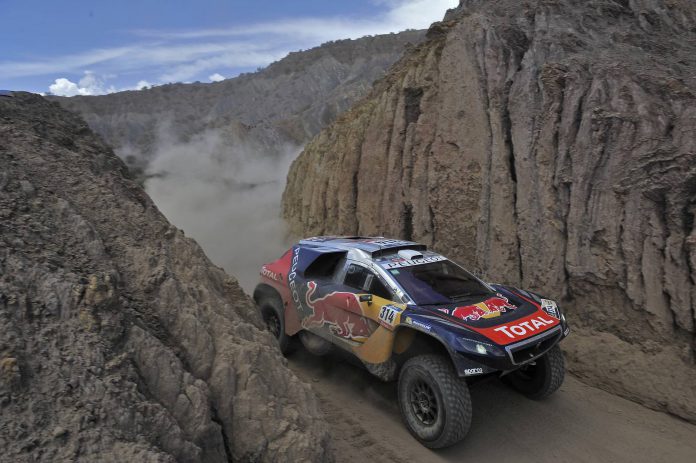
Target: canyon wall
{"x":120,"y":341}
{"x":547,"y":144}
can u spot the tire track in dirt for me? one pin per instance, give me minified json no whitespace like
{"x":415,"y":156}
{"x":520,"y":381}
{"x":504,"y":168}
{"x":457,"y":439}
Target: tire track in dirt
{"x":578,"y":424}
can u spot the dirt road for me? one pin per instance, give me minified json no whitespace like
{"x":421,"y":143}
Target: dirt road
{"x":578,"y":424}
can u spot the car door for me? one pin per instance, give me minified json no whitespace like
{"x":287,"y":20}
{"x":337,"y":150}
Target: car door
{"x":334,"y":309}
{"x":381,"y":306}
{"x":374,"y":298}
{"x":379,"y":310}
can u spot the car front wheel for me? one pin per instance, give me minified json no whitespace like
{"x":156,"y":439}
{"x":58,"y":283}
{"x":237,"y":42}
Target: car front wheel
{"x":540,"y":378}
{"x":434,"y":402}
{"x":275,"y":322}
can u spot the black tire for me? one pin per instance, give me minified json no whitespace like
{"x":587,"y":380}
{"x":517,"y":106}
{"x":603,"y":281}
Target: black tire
{"x":540,"y":379}
{"x":435,"y":403}
{"x":315,"y":344}
{"x":273,"y":315}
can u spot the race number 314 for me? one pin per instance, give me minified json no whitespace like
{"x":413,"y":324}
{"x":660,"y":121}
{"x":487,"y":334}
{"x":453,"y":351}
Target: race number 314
{"x":388,"y":314}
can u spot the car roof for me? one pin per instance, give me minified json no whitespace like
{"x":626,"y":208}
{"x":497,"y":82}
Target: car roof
{"x":373,"y":245}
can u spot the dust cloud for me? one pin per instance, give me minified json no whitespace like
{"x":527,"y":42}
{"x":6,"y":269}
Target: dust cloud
{"x":225,"y":194}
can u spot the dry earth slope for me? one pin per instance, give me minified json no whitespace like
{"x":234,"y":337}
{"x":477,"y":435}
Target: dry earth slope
{"x":120,"y":341}
{"x":547,"y":144}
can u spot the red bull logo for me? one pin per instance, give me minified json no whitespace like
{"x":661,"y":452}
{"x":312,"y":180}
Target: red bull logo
{"x":493,"y":307}
{"x":341,"y":311}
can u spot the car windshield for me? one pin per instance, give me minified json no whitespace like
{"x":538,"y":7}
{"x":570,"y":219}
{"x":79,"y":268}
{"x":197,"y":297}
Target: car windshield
{"x":440,"y":282}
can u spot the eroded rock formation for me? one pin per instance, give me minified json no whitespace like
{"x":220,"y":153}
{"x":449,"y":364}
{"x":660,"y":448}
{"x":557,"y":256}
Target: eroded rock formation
{"x":547,"y":144}
{"x":119,"y":340}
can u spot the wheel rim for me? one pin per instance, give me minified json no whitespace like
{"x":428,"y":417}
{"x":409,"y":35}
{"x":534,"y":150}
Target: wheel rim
{"x":424,"y":402}
{"x":273,"y":323}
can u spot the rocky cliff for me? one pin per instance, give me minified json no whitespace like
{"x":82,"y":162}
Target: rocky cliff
{"x":546,"y":144}
{"x":120,"y":341}
{"x":287,"y":102}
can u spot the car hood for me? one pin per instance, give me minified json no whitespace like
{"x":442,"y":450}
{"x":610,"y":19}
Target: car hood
{"x":505,"y":317}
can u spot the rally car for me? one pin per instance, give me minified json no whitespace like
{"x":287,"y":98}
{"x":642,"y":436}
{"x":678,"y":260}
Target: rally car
{"x":409,"y":313}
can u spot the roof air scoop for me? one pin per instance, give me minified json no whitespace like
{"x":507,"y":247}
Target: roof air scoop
{"x":410,"y":254}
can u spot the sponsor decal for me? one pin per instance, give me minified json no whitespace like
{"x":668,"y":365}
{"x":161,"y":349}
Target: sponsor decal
{"x":444,"y":310}
{"x":422,"y":325}
{"x":550,"y":307}
{"x":522,"y":328}
{"x":412,"y":262}
{"x":319,"y":239}
{"x":493,"y":307}
{"x":388,"y":315}
{"x":473,"y":371}
{"x":387,"y":242}
{"x":340,"y":310}
{"x":519,"y":329}
{"x":292,"y":283}
{"x":268,"y":273}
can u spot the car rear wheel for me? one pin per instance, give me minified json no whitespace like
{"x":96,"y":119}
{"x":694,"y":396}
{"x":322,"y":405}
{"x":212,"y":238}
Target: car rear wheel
{"x":275,"y":322}
{"x":541,"y":378}
{"x":434,"y":402}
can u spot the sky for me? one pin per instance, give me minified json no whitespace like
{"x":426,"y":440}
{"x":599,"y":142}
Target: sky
{"x":94,"y":47}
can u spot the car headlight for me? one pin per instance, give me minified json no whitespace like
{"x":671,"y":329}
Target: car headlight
{"x":551,"y":308}
{"x":480,"y":347}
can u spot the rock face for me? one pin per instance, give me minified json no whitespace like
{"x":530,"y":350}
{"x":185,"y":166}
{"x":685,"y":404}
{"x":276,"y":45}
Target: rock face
{"x":546,"y":144}
{"x":120,"y":341}
{"x":286,"y":103}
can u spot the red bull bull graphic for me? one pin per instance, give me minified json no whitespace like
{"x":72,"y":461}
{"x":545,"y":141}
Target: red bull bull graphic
{"x":493,"y":307}
{"x":342,"y":311}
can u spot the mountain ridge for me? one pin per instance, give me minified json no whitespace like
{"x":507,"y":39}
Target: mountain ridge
{"x":286,"y":102}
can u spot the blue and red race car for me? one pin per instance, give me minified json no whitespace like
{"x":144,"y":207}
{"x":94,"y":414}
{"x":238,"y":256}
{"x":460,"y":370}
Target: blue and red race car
{"x":413,"y":314}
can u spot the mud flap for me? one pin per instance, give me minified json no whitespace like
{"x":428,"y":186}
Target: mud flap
{"x":385,"y":371}
{"x":378,"y":347}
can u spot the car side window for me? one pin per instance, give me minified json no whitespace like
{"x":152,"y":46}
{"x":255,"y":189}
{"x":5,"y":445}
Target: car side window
{"x":379,"y":289}
{"x":362,"y":279}
{"x":356,"y":277}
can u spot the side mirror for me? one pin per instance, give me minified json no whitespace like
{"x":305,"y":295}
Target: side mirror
{"x":366,"y":298}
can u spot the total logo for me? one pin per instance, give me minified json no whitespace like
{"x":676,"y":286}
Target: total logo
{"x":268,"y":273}
{"x":521,"y":329}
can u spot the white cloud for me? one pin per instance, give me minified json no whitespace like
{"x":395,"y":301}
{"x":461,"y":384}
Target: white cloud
{"x":217,"y":77}
{"x":401,"y":15}
{"x":65,"y":63}
{"x":90,"y":84}
{"x":142,"y":84}
{"x":191,"y":69}
{"x":64,"y":87}
{"x":175,"y":56}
